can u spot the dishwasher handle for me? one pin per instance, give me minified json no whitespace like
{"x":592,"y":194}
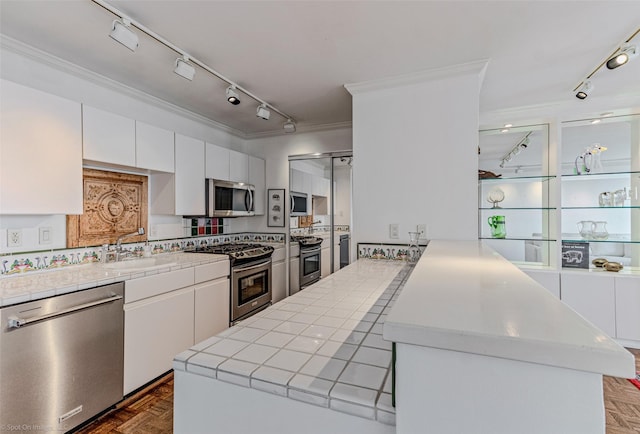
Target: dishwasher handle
{"x":15,"y":322}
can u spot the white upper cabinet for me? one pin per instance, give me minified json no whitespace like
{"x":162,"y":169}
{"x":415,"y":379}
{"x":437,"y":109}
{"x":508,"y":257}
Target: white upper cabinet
{"x":217,"y":162}
{"x":257,"y":178}
{"x":40,"y":152}
{"x":154,"y":148}
{"x":238,"y":166}
{"x":108,"y":137}
{"x":189,"y":176}
{"x":297,"y":180}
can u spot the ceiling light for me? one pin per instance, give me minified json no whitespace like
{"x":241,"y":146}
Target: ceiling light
{"x":508,"y":125}
{"x":183,"y":69}
{"x":520,"y":146}
{"x":232,"y":95}
{"x":595,"y":121}
{"x":627,"y":52}
{"x":121,"y":32}
{"x":584,"y":90}
{"x":289,"y":126}
{"x":606,"y":114}
{"x":263,"y":112}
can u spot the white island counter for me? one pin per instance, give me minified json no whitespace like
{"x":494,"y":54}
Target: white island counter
{"x":481,"y":348}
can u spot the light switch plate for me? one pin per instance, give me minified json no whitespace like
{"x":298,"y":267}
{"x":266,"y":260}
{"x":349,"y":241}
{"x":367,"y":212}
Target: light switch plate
{"x":14,"y":237}
{"x":44,"y":235}
{"x":394,"y":231}
{"x":422,"y":230}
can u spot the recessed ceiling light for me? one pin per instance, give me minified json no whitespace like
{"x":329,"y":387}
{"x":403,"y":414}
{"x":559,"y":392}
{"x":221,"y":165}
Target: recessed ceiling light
{"x":595,"y":121}
{"x":508,"y":125}
{"x":505,"y":130}
{"x":606,"y":114}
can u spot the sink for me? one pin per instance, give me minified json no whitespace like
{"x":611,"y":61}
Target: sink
{"x":143,"y":264}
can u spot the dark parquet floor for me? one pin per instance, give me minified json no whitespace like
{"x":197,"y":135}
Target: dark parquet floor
{"x":151,"y":412}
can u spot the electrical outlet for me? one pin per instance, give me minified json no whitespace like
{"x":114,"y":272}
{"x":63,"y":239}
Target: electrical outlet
{"x":394,"y":231}
{"x":14,"y":237}
{"x":422,"y":230}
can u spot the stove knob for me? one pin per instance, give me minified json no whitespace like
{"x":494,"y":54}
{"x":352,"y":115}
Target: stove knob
{"x":240,"y":253}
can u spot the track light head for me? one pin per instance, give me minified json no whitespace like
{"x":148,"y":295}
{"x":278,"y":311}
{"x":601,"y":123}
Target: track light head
{"x":626,"y":53}
{"x":183,"y":69}
{"x":232,"y":95}
{"x":263,"y":112}
{"x":289,"y":126}
{"x":584,"y":90}
{"x":121,"y":32}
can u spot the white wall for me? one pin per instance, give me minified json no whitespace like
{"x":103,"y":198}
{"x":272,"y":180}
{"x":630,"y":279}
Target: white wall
{"x":342,"y":191}
{"x":415,"y":156}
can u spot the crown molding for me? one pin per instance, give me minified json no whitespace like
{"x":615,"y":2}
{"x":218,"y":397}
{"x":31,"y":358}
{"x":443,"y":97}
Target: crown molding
{"x":28,"y":51}
{"x":477,"y":67}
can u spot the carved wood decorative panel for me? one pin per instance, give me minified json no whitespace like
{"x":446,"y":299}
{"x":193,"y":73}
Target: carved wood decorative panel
{"x":114,"y":204}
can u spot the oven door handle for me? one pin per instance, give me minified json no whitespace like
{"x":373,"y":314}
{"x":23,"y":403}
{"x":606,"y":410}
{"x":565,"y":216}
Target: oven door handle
{"x":311,"y":250}
{"x":251,"y":266}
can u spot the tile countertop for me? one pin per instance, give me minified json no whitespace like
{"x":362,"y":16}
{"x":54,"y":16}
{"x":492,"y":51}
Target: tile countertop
{"x":322,"y":345}
{"x":37,"y":285}
{"x":463,"y":296}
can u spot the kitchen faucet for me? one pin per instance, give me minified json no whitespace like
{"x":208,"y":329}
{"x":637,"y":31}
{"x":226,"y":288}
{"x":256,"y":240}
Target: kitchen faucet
{"x":311,"y":226}
{"x":117,"y":253}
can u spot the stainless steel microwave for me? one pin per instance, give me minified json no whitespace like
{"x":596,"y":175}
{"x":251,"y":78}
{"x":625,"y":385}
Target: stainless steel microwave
{"x":229,"y":199}
{"x":299,"y":204}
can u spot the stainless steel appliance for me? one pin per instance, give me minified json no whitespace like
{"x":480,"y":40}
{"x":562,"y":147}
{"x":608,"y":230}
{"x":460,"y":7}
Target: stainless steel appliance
{"x":250,"y":277}
{"x":345,"y":241}
{"x":310,"y":259}
{"x":298,"y":204}
{"x":228,"y":199}
{"x":61,"y":359}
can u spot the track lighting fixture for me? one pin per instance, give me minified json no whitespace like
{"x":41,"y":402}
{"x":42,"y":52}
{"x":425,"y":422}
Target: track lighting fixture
{"x":626,"y":53}
{"x":232,"y":95}
{"x":289,"y":126}
{"x":584,"y":90}
{"x":263,"y":112}
{"x":183,"y":69}
{"x":517,"y":148}
{"x":121,"y":32}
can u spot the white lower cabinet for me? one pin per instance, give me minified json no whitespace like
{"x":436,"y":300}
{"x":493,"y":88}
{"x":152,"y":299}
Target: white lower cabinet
{"x":211,"y":308}
{"x":592,"y":295}
{"x":549,"y":279}
{"x":325,"y":258}
{"x":294,"y":275}
{"x":278,"y":275}
{"x":628,"y":308}
{"x":156,"y":329}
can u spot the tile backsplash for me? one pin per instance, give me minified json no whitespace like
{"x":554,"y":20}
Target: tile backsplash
{"x":52,"y":259}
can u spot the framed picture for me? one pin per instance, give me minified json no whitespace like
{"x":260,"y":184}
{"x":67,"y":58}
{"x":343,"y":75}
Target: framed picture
{"x":276,"y":206}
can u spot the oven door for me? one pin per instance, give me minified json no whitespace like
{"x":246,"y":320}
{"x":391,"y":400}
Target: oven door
{"x":309,"y":266}
{"x":250,"y":289}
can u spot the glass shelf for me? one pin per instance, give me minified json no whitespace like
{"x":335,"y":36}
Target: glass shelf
{"x":518,"y":239}
{"x":573,"y":176}
{"x":608,"y":240}
{"x":518,"y":209}
{"x":602,"y":207}
{"x":519,"y":179}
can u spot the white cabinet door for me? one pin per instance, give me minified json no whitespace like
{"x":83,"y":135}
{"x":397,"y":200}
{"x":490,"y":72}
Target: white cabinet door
{"x":592,"y":296}
{"x":628,"y":307}
{"x":238,"y":166}
{"x":155,"y":330}
{"x":336,"y":253}
{"x":108,"y":137}
{"x":217,"y":162}
{"x":278,"y":281}
{"x":40,"y":152}
{"x":211,"y":308}
{"x":189,"y":176}
{"x":257,"y":178}
{"x":154,"y":148}
{"x":294,"y":275}
{"x":549,"y":279}
{"x":297,"y":181}
{"x":325,"y":261}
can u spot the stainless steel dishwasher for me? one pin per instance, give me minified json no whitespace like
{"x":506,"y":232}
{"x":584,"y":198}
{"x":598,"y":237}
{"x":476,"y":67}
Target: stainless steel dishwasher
{"x":61,"y":359}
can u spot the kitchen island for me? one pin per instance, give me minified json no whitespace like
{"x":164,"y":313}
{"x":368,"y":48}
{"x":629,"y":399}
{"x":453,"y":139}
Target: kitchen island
{"x":476,"y":338}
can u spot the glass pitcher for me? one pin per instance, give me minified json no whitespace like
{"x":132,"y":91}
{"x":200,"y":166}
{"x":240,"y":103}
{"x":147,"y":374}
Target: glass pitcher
{"x":585,"y":228}
{"x":497,"y":225}
{"x":600,"y":231}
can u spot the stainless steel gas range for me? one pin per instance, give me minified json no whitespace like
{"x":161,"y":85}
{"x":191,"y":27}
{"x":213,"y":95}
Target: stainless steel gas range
{"x":250,"y":277}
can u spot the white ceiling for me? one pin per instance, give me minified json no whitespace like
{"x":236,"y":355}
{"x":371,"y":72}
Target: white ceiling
{"x":297,"y":55}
